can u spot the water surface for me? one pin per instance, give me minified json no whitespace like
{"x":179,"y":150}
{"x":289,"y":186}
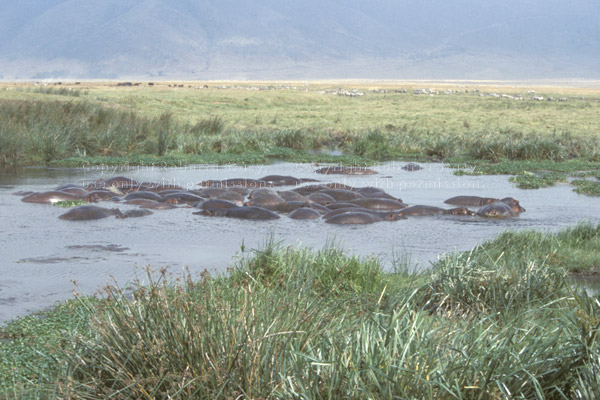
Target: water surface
{"x":41,"y":256}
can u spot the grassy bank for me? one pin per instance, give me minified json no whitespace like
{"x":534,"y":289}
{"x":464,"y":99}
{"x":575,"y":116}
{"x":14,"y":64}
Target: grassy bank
{"x":500,"y":321}
{"x":50,"y":124}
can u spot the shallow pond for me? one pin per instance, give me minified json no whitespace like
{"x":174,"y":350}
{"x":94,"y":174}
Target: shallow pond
{"x":41,"y":255}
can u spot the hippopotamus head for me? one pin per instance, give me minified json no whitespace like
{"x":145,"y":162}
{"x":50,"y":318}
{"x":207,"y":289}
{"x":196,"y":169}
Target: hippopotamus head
{"x":394,"y":216}
{"x":460,"y":211}
{"x":514,"y":204}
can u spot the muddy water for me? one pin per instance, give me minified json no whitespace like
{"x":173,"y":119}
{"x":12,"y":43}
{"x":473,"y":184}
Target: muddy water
{"x":41,"y":255}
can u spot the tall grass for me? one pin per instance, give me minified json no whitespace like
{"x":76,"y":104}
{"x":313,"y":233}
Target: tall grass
{"x":295,"y":323}
{"x":35,"y":131}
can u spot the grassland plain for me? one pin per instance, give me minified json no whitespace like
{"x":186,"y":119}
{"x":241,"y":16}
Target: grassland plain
{"x":479,"y":125}
{"x":500,"y":321}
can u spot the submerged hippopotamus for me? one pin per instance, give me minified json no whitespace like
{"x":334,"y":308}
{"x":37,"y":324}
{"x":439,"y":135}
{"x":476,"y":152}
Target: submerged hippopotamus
{"x":420,"y":210}
{"x":246,"y":212}
{"x":412,"y":167}
{"x":75,"y":190}
{"x":243,"y":182}
{"x":513,"y":204}
{"x":472,"y":201}
{"x":212,"y":204}
{"x":359,"y":217}
{"x":477,"y":201}
{"x":379,"y":204}
{"x":290,"y":195}
{"x":143,"y":195}
{"x":82,"y":213}
{"x":181,"y":198}
{"x":305,"y":213}
{"x":284,"y":180}
{"x":309,"y":189}
{"x":321,"y":198}
{"x":346,"y":171}
{"x":342,"y":194}
{"x":498,"y":209}
{"x":264,"y":198}
{"x":134,"y":213}
{"x":289,"y":206}
{"x":49,"y":197}
{"x":99,"y":195}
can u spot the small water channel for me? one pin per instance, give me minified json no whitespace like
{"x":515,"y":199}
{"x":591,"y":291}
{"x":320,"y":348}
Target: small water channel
{"x":41,"y":256}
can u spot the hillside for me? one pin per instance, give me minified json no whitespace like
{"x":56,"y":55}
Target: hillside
{"x":269,"y":39}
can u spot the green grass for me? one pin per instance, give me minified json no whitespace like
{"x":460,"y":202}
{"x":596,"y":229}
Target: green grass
{"x":500,"y":321}
{"x":40,"y":125}
{"x":582,"y":186}
{"x":69,"y":203}
{"x":536,"y":181}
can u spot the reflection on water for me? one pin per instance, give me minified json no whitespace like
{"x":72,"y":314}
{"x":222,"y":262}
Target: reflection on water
{"x":589,"y":283}
{"x":41,"y":254}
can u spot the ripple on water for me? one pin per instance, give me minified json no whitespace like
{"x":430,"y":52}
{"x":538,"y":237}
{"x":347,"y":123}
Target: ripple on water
{"x":42,"y":254}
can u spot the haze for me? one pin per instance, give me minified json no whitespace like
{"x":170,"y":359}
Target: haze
{"x":309,"y":39}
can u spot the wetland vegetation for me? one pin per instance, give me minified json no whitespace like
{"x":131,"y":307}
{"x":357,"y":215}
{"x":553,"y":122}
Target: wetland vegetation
{"x":500,"y":321}
{"x":480,"y":130}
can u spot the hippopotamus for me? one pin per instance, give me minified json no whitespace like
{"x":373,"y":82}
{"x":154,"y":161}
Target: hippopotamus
{"x":157,"y":187}
{"x":342,"y":194}
{"x":358,"y":217}
{"x":387,"y":214}
{"x":473,"y":201}
{"x":420,"y":210}
{"x":158,"y":206}
{"x":412,"y":167}
{"x":376,"y":193}
{"x":309,"y":189}
{"x":120,"y":182}
{"x":344,"y":210}
{"x":369,"y":190}
{"x":498,"y":209}
{"x":254,"y":213}
{"x":346,"y":171}
{"x":284,"y":180}
{"x":243,"y":182}
{"x":77,"y":191}
{"x":134,"y":213}
{"x":338,"y":205}
{"x":82,"y":213}
{"x":234,"y":197}
{"x":379,"y":204}
{"x":99,"y":195}
{"x":290,"y":195}
{"x":264,"y":197}
{"x":181,"y":198}
{"x":337,"y":185}
{"x":144,"y":195}
{"x":321,"y":198}
{"x":211,"y":204}
{"x":513,"y":204}
{"x":142,"y":202}
{"x":288,"y":206}
{"x":305,"y":213}
{"x":68,"y":185}
{"x":49,"y":197}
{"x":459,"y":211}
{"x":211,"y":192}
{"x":238,"y":189}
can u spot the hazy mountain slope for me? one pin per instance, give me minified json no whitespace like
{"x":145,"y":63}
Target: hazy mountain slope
{"x":285,"y":38}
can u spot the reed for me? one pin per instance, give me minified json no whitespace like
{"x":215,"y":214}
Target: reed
{"x":499,"y":321}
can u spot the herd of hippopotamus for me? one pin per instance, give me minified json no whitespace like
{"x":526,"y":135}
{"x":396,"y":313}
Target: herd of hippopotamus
{"x":257,"y":199}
